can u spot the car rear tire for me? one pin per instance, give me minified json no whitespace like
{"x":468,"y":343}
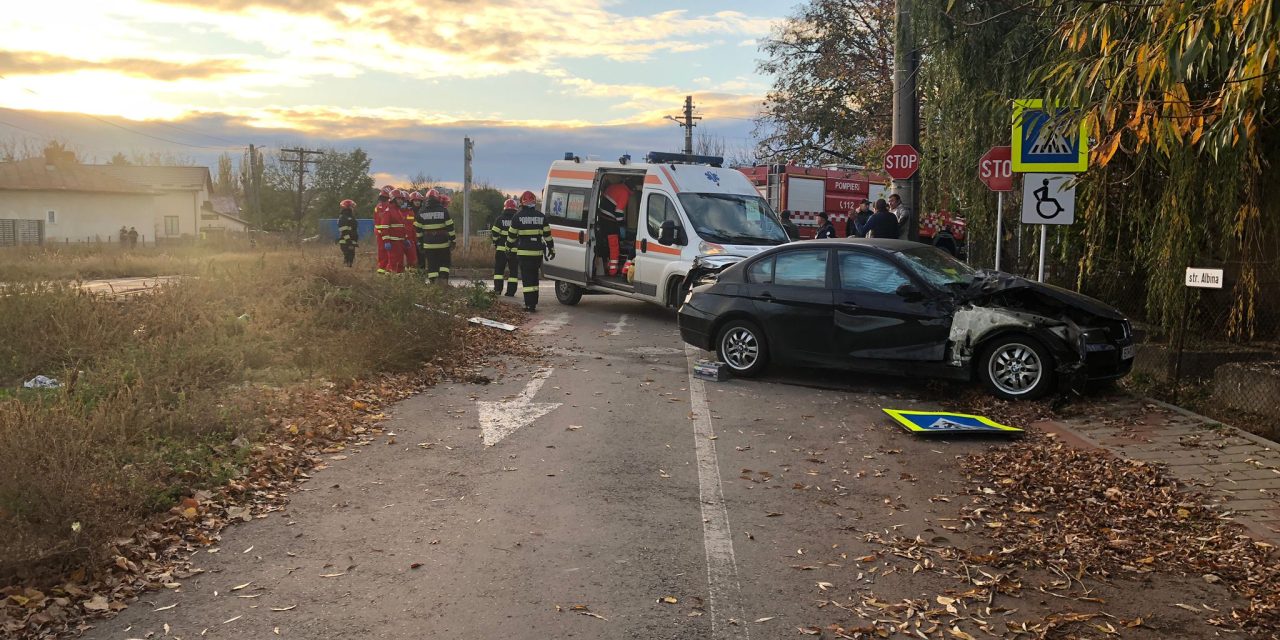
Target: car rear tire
{"x":568,"y":293}
{"x":741,"y":345}
{"x":1016,"y":367}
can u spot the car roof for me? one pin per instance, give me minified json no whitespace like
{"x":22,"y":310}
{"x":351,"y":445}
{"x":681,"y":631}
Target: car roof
{"x":893,"y":245}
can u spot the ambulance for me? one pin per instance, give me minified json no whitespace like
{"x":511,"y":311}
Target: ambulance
{"x":684,"y":217}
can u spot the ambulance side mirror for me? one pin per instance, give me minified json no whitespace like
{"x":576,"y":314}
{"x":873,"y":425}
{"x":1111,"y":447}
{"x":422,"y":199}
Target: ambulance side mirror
{"x":669,"y":234}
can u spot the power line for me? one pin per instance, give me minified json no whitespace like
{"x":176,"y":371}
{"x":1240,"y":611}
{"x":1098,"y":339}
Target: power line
{"x":302,"y":161}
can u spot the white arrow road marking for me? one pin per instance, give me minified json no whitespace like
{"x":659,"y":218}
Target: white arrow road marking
{"x":551,"y":325}
{"x":727,"y":621}
{"x":615,"y":328}
{"x":503,"y":418}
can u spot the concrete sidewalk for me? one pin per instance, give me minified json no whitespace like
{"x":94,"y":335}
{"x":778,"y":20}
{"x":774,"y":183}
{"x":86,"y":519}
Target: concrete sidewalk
{"x":1238,"y":471}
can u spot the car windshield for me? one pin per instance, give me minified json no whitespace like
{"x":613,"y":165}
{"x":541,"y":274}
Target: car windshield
{"x":937,"y":266}
{"x":733,"y":219}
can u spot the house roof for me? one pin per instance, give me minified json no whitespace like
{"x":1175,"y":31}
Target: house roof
{"x":226,"y":207}
{"x":37,"y":174}
{"x":161,"y":178}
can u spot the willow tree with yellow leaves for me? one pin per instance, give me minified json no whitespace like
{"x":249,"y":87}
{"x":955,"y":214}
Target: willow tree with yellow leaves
{"x":1180,"y":98}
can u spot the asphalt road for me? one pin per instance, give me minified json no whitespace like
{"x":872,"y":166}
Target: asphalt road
{"x":618,"y":498}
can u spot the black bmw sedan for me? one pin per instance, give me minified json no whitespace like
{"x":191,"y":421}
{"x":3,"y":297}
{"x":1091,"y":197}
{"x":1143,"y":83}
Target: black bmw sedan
{"x":904,"y":308}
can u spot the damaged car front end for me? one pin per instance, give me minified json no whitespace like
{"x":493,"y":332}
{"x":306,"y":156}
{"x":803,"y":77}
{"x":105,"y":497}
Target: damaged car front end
{"x":1088,"y":341}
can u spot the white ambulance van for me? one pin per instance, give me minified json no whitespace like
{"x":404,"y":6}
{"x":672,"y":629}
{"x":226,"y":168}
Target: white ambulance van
{"x":682,"y":210}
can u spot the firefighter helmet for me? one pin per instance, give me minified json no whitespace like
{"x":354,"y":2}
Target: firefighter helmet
{"x":527,"y":198}
{"x":432,"y":194}
{"x":415,"y":196}
{"x":386,"y":188}
{"x":445,"y":200}
{"x":509,"y":204}
{"x":397,"y":194}
{"x":347,"y":204}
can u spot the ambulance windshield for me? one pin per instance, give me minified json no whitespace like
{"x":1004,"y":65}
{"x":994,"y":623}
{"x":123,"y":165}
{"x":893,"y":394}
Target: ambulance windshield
{"x":733,"y":219}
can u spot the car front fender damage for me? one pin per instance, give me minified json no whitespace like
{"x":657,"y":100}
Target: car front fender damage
{"x":972,"y":326}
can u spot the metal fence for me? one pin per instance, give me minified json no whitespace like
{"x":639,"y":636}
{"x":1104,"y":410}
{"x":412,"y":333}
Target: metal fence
{"x":16,"y":232}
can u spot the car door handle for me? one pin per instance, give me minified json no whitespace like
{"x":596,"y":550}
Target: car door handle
{"x":847,"y":307}
{"x":767,"y":297}
{"x":582,"y":237}
{"x":644,"y":245}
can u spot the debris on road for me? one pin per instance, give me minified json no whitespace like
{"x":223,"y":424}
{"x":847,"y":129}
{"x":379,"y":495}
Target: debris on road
{"x":711,"y":370}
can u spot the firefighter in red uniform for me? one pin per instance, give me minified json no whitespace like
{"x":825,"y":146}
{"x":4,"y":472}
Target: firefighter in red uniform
{"x":530,"y":238}
{"x":436,"y":236}
{"x":403,"y":203}
{"x":610,"y":220}
{"x":380,"y":211}
{"x":506,"y":265}
{"x":393,"y":236}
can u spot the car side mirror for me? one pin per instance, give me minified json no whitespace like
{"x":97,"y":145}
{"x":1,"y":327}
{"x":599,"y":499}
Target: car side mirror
{"x":667,"y":233}
{"x":910,"y":292}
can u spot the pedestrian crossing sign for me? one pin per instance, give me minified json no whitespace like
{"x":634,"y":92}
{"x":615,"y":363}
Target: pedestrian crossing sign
{"x":946,"y":422}
{"x":1047,"y":140}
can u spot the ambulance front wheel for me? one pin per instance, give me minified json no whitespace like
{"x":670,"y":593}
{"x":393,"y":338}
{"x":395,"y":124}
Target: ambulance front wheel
{"x":568,"y":293}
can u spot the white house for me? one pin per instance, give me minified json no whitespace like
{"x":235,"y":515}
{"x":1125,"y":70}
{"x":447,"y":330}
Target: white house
{"x":58,"y":200}
{"x":181,"y":195}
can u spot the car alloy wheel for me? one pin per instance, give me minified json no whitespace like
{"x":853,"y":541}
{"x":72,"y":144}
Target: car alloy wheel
{"x":1015,"y":368}
{"x":740,"y":348}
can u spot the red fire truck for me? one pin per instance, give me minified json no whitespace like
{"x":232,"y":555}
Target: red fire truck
{"x":837,"y":191}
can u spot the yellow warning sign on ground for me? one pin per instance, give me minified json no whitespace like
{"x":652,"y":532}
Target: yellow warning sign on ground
{"x":947,"y":422}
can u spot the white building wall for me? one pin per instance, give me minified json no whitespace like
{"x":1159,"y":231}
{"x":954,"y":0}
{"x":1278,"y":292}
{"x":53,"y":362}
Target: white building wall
{"x":185,"y":206}
{"x":81,"y":217}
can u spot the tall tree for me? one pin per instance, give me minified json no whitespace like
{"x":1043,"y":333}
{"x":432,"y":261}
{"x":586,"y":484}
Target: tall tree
{"x":832,"y":64}
{"x":338,"y":176}
{"x":224,"y":182}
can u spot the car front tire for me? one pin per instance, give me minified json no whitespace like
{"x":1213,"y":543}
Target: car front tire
{"x":741,"y":345}
{"x":568,"y":293}
{"x":1016,"y":367}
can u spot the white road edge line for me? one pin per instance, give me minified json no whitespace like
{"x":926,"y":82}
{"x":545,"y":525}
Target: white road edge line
{"x":615,"y":328}
{"x":723,"y":588}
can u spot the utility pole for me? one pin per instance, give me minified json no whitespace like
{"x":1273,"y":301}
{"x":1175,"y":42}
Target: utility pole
{"x":301,"y":161}
{"x":251,"y":189}
{"x":688,"y":123}
{"x":468,"y":147}
{"x":906,"y":107}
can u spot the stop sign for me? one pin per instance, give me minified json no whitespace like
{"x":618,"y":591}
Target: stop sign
{"x":995,"y":169}
{"x":902,"y":161}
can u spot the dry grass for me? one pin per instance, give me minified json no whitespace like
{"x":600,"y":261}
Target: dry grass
{"x":158,"y":388}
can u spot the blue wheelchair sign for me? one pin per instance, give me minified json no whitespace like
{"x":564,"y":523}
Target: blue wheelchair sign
{"x":1047,"y":140}
{"x":946,"y":422}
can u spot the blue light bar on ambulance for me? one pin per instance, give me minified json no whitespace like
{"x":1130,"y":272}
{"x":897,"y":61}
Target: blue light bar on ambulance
{"x":663,"y":157}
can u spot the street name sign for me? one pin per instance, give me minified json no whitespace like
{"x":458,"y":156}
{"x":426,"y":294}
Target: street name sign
{"x":902,"y":161}
{"x":995,"y":169}
{"x":1047,"y":139}
{"x":1204,"y":278}
{"x":1048,"y":198}
{"x":946,"y":422}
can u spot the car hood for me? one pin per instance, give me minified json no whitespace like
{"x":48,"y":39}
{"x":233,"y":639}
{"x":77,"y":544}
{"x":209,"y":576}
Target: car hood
{"x":989,"y":283}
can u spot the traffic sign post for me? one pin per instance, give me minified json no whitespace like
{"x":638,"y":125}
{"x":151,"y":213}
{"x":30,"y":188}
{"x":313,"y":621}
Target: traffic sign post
{"x":996,"y":171}
{"x":1048,"y":198}
{"x":902,"y":161}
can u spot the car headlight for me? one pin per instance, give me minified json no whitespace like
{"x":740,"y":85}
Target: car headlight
{"x":709,"y":248}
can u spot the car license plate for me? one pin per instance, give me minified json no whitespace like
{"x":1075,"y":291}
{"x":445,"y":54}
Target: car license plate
{"x":1127,"y":352}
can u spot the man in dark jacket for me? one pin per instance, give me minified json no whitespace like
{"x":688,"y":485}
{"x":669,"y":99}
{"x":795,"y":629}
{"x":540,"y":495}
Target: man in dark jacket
{"x":529,"y":237}
{"x":348,"y":232}
{"x":793,"y":232}
{"x":883,"y":224}
{"x":856,"y":227}
{"x":825,"y":228}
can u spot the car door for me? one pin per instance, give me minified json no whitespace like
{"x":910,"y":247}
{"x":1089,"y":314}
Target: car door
{"x":652,"y":258}
{"x":792,"y":297}
{"x":873,"y":320}
{"x":566,"y":211}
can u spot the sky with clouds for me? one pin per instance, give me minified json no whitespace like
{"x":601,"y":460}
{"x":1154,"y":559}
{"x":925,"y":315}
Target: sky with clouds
{"x":404,"y":79}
